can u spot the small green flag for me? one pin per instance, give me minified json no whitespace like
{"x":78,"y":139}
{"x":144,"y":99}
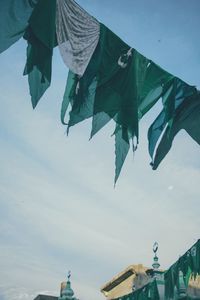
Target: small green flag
{"x":14,"y":16}
{"x":40,"y":35}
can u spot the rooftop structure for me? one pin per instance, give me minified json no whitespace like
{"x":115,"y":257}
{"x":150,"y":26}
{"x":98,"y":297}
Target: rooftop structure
{"x":135,"y":277}
{"x":66,"y":292}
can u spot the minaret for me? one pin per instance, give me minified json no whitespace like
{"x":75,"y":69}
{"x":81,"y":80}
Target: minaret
{"x":158,"y":274}
{"x":181,"y":291}
{"x":66,"y":292}
{"x":155,"y":264}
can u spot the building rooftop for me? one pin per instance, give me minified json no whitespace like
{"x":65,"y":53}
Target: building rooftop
{"x":46,"y":297}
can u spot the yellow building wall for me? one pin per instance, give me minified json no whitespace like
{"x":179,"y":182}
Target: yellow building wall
{"x":125,"y":287}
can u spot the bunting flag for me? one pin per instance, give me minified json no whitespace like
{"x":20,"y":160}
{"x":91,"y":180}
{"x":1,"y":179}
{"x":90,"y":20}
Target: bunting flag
{"x":40,"y":35}
{"x":147,"y":292}
{"x":14,"y":16}
{"x":188,"y":264}
{"x":181,"y":111}
{"x":107,"y":80}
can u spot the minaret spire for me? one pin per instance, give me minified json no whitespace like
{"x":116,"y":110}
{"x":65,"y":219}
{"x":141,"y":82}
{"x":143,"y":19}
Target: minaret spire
{"x":69,"y":275}
{"x":155,"y":264}
{"x":66,"y":291}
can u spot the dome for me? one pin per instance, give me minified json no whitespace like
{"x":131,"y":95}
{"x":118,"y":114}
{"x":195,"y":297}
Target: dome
{"x":67,"y":292}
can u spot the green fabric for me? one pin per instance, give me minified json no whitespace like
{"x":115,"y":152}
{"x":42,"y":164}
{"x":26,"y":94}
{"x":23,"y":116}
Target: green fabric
{"x":107,"y":91}
{"x":35,"y":20}
{"x":96,"y":96}
{"x":122,"y":146}
{"x":186,"y":117}
{"x":14,"y":15}
{"x":175,"y":98}
{"x":147,"y":292}
{"x":188,"y":264}
{"x":81,"y":98}
{"x":119,"y":83}
{"x":154,"y":86}
{"x":40,"y":35}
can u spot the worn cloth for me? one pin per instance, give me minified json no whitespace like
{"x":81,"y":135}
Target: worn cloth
{"x":120,"y":84}
{"x":14,"y":16}
{"x":178,"y":100}
{"x":77,"y":35}
{"x":40,"y":35}
{"x":108,"y":79}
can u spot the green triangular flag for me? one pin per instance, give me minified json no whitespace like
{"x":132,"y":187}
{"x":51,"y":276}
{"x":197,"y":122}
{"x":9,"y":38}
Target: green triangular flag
{"x":40,"y":35}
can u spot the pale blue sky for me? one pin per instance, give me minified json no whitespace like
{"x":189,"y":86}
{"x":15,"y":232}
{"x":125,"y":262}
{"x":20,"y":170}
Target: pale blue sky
{"x":58,"y":208}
